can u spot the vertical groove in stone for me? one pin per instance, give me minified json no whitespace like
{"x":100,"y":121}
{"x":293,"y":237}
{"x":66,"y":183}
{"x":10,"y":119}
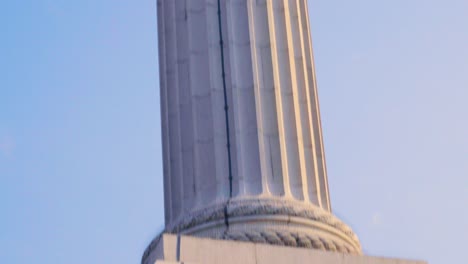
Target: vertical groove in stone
{"x":205,"y":167}
{"x":243,"y":100}
{"x":233,"y":140}
{"x":284,"y":98}
{"x":303,"y":77}
{"x":173,"y":110}
{"x":230,"y":94}
{"x":164,"y":118}
{"x":279,"y":106}
{"x":255,"y":86}
{"x":317,"y":129}
{"x":297,"y":84}
{"x":185,"y":105}
{"x":196,"y":53}
{"x":265,"y":98}
{"x":216,"y":94}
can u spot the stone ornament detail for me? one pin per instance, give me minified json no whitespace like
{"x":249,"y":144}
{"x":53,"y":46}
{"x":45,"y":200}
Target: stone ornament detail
{"x":252,"y":207}
{"x":285,"y":223}
{"x":283,"y":238}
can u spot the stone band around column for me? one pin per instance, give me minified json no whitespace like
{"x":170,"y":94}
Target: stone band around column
{"x":270,"y":221}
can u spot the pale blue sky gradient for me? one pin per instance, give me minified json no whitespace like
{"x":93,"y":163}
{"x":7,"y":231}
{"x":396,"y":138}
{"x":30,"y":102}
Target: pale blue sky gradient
{"x":80,"y":150}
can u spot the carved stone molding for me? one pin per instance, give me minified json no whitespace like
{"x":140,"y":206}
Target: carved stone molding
{"x":271,"y":221}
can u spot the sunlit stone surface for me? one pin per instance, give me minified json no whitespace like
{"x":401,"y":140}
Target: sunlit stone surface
{"x":191,"y":250}
{"x":253,"y":59}
{"x":242,"y":139}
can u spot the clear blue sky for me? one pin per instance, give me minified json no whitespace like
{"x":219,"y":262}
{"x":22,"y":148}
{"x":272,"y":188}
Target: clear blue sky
{"x":80,"y":151}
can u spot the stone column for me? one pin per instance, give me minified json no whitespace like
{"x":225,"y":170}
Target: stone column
{"x":242,"y":138}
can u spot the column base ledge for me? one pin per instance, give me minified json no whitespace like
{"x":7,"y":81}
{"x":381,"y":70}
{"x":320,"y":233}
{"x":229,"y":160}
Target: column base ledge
{"x":174,"y":249}
{"x":269,"y":221}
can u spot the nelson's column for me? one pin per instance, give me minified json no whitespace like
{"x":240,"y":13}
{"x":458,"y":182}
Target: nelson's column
{"x":242,"y":140}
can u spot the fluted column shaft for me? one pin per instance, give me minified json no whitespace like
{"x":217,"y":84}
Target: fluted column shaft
{"x":242,"y":138}
{"x":275,"y":137}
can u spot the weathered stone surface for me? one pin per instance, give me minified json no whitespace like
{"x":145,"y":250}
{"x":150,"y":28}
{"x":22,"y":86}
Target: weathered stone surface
{"x":268,"y":80}
{"x":242,"y":139}
{"x":208,"y":251}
